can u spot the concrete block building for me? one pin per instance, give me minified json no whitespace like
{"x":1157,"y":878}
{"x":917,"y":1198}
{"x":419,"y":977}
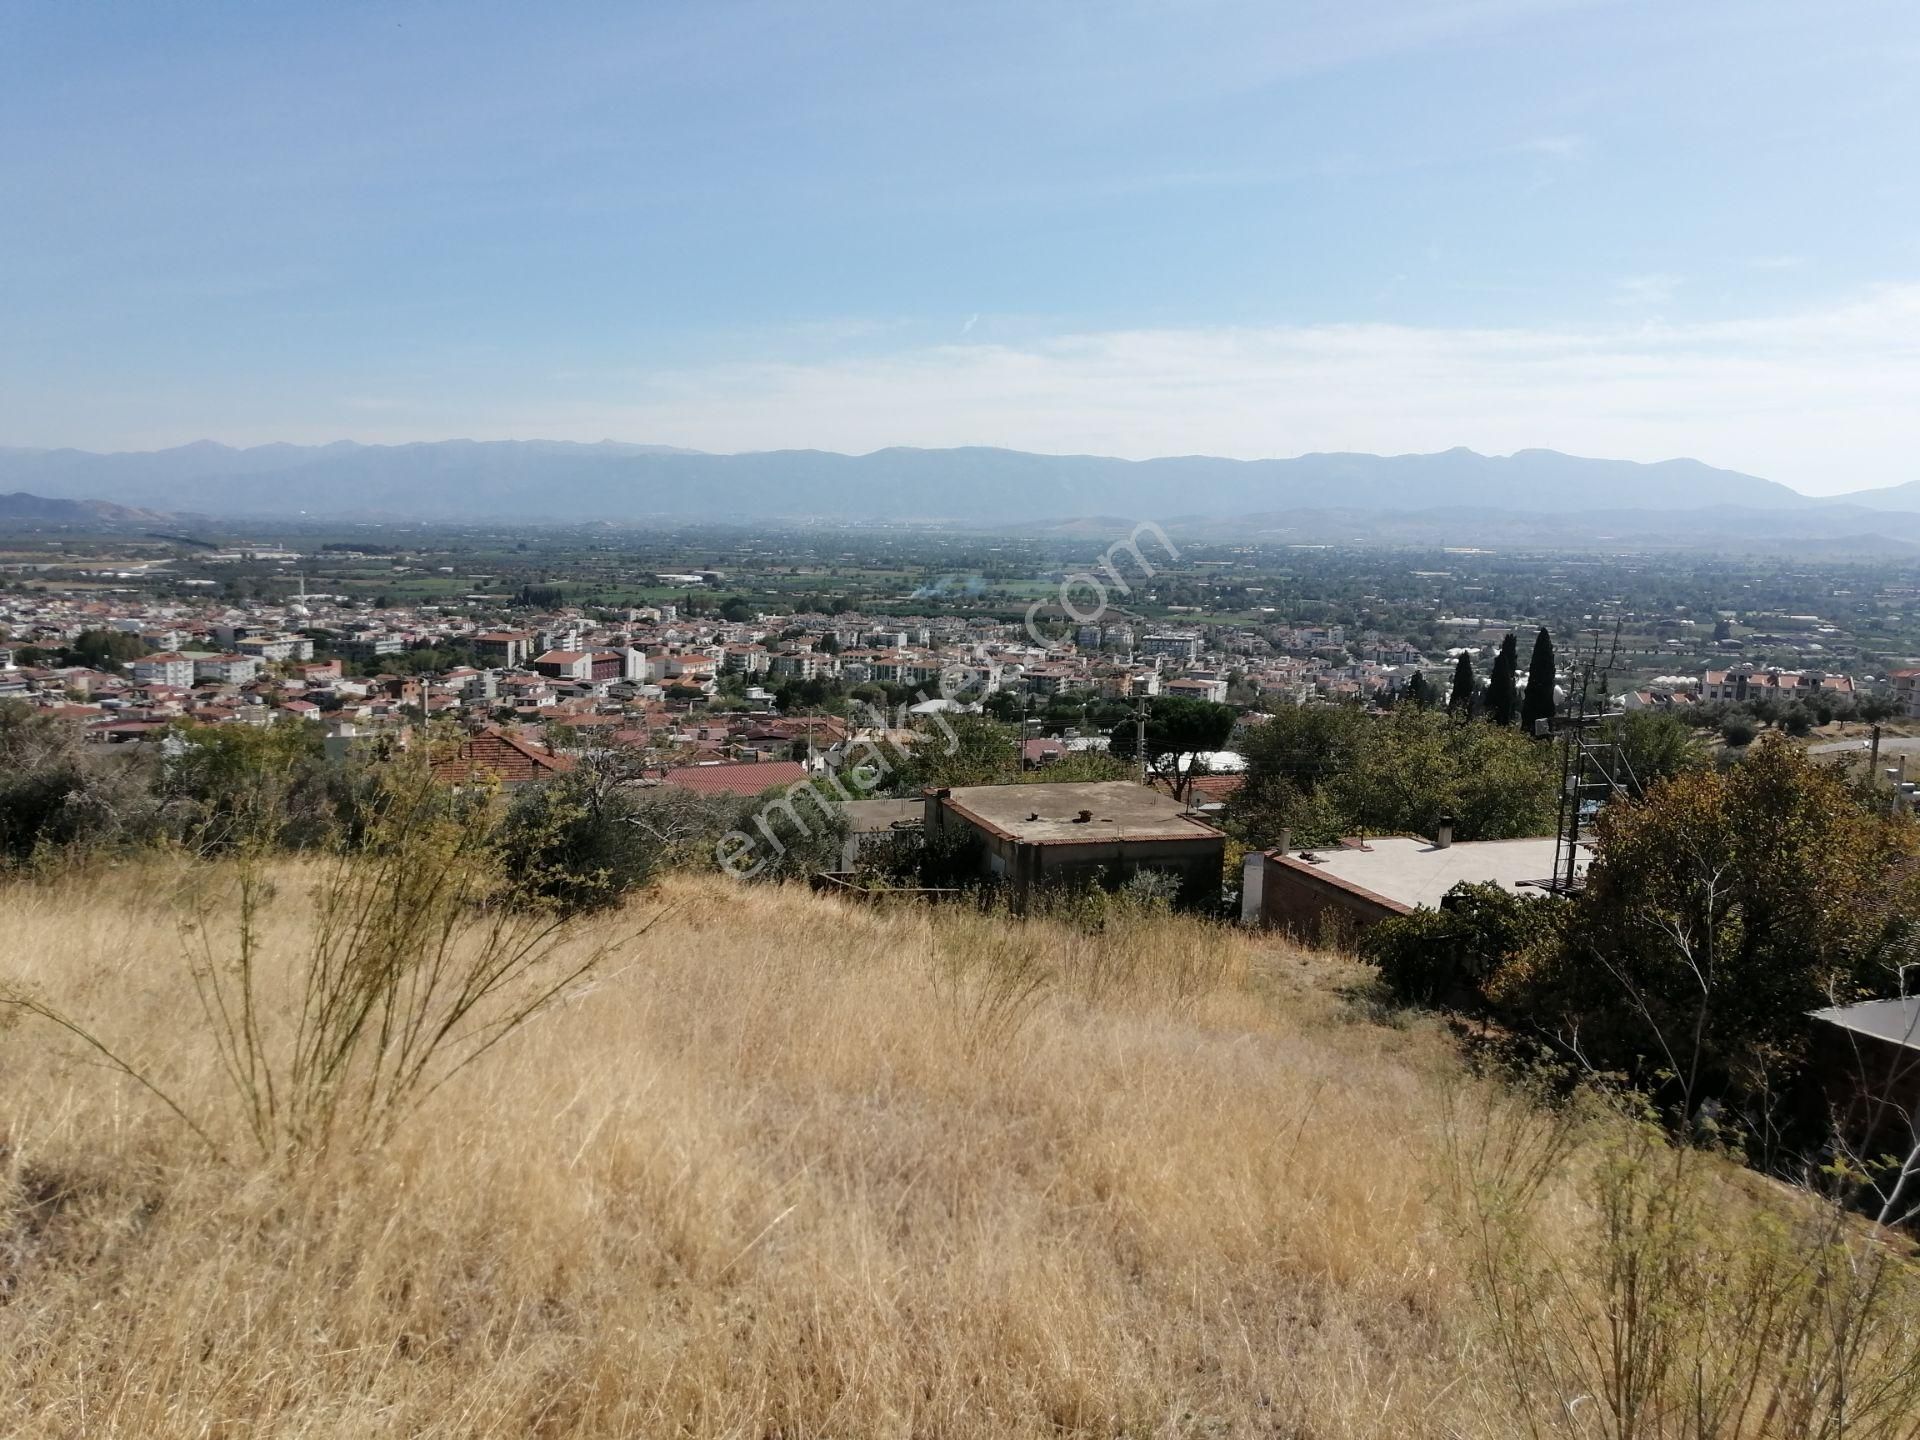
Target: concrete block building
{"x":1333,"y":893}
{"x":1089,"y":832}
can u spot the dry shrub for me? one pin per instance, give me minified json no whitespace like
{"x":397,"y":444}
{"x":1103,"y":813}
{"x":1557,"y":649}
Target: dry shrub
{"x":767,"y":1174}
{"x":1637,"y":1289}
{"x":413,"y":962}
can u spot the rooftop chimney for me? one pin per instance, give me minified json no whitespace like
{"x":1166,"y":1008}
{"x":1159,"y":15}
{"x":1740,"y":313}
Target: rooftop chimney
{"x":1443,"y":833}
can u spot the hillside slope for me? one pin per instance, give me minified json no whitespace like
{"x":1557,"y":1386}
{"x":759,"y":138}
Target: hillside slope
{"x":787,"y":1168}
{"x":39,"y":509}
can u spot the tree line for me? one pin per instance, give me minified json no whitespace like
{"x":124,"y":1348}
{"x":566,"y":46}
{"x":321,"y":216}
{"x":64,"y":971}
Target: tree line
{"x":1502,"y":702}
{"x":1720,"y":908}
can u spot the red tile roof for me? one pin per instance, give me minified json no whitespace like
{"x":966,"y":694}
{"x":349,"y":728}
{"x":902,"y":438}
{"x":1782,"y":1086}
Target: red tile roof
{"x":497,"y":755}
{"x":738,"y":779}
{"x":1205,"y":789}
{"x":825,"y":729}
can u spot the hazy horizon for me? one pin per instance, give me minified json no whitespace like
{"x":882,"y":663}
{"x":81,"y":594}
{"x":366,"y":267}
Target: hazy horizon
{"x":1603,"y":227}
{"x":609,"y":440}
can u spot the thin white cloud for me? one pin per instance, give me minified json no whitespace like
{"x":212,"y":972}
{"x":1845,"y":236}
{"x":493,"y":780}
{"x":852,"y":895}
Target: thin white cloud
{"x":1645,"y":290}
{"x":1556,"y":147}
{"x":1821,"y":399}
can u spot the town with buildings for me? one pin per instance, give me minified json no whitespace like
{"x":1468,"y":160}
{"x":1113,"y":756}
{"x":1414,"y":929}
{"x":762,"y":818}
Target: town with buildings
{"x":699,"y":688}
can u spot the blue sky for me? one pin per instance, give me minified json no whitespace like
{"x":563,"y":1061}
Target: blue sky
{"x":1616,"y":228}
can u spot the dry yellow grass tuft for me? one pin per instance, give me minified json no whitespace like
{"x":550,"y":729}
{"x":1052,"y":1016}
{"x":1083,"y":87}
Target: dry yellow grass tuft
{"x":786,"y":1168}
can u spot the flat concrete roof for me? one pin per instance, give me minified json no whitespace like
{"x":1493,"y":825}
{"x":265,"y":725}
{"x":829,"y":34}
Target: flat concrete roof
{"x":1047,"y":814}
{"x":872,"y":817}
{"x":1413,"y":872}
{"x":1896,"y":1021}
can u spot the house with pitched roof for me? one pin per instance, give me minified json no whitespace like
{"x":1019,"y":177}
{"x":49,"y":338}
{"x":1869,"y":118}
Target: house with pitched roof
{"x":494,"y":755}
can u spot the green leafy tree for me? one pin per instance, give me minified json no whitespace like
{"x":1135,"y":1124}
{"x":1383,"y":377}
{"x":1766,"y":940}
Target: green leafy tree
{"x":1503,"y":702}
{"x":1873,"y":708}
{"x":1537,"y":703}
{"x":1450,"y":955}
{"x":1079,"y":765}
{"x":1178,"y":730}
{"x":1326,"y":771}
{"x":970,"y":750}
{"x":59,"y":794}
{"x":820,"y":692}
{"x":1415,"y":766}
{"x":1004,"y":706}
{"x":1419,"y":693}
{"x":1716,"y":914}
{"x":105,"y":649}
{"x":576,"y":843}
{"x":1290,"y":758}
{"x":233,"y":785}
{"x":1655,"y":745}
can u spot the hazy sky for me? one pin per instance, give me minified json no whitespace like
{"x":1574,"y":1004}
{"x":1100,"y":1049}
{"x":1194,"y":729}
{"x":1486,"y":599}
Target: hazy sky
{"x":1625,"y":229}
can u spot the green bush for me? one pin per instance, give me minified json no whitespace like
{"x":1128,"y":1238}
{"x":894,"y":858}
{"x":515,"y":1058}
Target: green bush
{"x":575,"y":844}
{"x":226,"y":786}
{"x":1452,"y":954}
{"x":60,"y":795}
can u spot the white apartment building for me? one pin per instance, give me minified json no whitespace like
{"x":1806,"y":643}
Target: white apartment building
{"x":1197,"y":688}
{"x":233,"y":669}
{"x":166,"y":668}
{"x":1180,"y":647}
{"x":276,"y":648}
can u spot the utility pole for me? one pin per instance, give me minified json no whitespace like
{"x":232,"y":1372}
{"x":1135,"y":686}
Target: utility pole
{"x":1140,"y":738}
{"x":1591,"y":771}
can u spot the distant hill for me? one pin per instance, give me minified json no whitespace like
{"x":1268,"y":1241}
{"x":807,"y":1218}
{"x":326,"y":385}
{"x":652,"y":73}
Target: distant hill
{"x":558,"y":480}
{"x":1847,"y":531}
{"x":41,"y":509}
{"x":1891,"y":497}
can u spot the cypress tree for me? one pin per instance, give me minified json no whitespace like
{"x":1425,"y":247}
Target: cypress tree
{"x":1502,"y":692}
{"x":1460,"y":700}
{"x":1537,"y":703}
{"x":1417,"y":691}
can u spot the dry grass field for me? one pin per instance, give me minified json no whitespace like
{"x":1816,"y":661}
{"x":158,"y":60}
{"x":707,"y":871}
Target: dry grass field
{"x":785,"y":1167}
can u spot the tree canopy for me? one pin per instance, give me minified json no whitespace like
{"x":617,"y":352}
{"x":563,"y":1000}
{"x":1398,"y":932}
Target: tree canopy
{"x":1178,"y":729}
{"x":1716,"y":914}
{"x":1327,"y":771}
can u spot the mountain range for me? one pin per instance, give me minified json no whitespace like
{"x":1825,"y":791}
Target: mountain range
{"x":546,"y":480}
